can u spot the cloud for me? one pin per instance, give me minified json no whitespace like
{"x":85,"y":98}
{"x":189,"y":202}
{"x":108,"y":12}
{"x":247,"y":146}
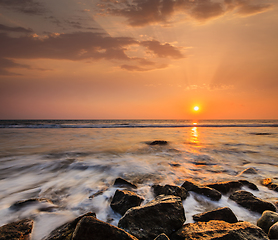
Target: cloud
{"x":140,"y":13}
{"x":24,"y":6}
{"x":143,"y":68}
{"x":15,"y":29}
{"x":84,"y":45}
{"x":7,"y":64}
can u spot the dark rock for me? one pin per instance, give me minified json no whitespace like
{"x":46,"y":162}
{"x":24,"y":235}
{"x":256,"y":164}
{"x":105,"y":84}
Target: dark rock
{"x":20,"y":230}
{"x":120,"y":182}
{"x":91,"y":228}
{"x":249,"y":171}
{"x":170,"y":190}
{"x":273,"y":186}
{"x":98,"y":193}
{"x":224,"y":214}
{"x":158,"y":142}
{"x":211,"y":193}
{"x":65,"y":231}
{"x":43,"y":204}
{"x":162,"y":236}
{"x":173,"y":164}
{"x":225,"y":187}
{"x":249,"y":184}
{"x":164,"y":214}
{"x":219,"y":230}
{"x":249,"y":201}
{"x":267,"y":219}
{"x":273,"y":231}
{"x":124,"y":200}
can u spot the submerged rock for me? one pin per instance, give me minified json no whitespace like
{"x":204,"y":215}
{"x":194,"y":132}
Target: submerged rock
{"x":43,"y":204}
{"x":164,"y":214}
{"x":249,"y":201}
{"x":249,"y":170}
{"x":65,"y":231}
{"x":249,"y":184}
{"x":206,"y":191}
{"x":124,"y":200}
{"x":158,"y":142}
{"x":162,"y":236}
{"x":120,"y":182}
{"x":273,"y":231}
{"x":225,"y":187}
{"x":20,"y":230}
{"x":267,"y":219}
{"x":170,"y":190}
{"x":224,"y":214}
{"x":268,"y":183}
{"x":219,"y":230}
{"x":91,"y":228}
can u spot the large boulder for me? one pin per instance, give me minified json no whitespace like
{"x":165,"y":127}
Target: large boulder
{"x":203,"y":190}
{"x":65,"y":231}
{"x":273,"y":231}
{"x":124,"y":200}
{"x":224,"y":214}
{"x":120,"y":182}
{"x":249,"y":201}
{"x":164,"y":214}
{"x":267,"y":219}
{"x":219,"y":230}
{"x":20,"y":230}
{"x":170,"y":190}
{"x":91,"y":228}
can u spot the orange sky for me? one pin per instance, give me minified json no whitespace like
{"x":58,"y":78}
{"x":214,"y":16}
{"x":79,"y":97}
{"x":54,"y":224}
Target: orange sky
{"x":99,"y":59}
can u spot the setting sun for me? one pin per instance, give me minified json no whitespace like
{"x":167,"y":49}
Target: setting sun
{"x":196,"y":108}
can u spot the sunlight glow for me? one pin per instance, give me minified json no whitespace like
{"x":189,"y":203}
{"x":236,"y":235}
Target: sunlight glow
{"x":196,"y":108}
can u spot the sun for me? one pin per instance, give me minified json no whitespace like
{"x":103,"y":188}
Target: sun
{"x":196,"y":108}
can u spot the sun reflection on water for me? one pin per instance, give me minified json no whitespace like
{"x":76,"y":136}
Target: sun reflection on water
{"x":194,"y":137}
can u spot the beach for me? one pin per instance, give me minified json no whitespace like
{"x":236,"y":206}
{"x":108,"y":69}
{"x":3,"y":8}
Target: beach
{"x":67,"y":162}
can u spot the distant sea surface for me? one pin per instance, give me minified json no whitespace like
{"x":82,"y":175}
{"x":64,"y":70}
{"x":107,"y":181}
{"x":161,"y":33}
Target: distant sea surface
{"x":67,"y":161}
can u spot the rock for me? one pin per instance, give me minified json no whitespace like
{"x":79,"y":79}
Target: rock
{"x":249,"y":184}
{"x":124,"y":200}
{"x":43,"y":204}
{"x":164,"y":214}
{"x":158,"y":142}
{"x":219,"y":230}
{"x":266,"y":181}
{"x":267,"y":219}
{"x":206,"y":191}
{"x":224,"y":214}
{"x":162,"y":236}
{"x":98,"y":193}
{"x":273,"y":186}
{"x":273,"y":231}
{"x":20,"y":230}
{"x":120,"y":182}
{"x":225,"y":187}
{"x":250,"y":170}
{"x":65,"y":231}
{"x":249,"y":201}
{"x":91,"y":228}
{"x":170,"y":190}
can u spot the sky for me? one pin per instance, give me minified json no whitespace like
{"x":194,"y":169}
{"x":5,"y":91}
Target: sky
{"x":138,"y":59}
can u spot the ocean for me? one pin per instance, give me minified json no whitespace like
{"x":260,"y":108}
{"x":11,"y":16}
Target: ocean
{"x":67,"y":161}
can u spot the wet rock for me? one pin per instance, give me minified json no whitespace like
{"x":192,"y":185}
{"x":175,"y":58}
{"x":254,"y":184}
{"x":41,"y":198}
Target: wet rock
{"x":170,"y":190}
{"x":219,"y":230}
{"x":164,"y":214}
{"x":211,"y":193}
{"x":224,"y":214}
{"x":250,"y":170}
{"x":266,"y":181}
{"x":91,"y":228}
{"x":124,"y":200}
{"x":158,"y":142}
{"x":249,"y":201}
{"x":120,"y":182}
{"x":65,"y":231}
{"x":225,"y":187}
{"x":162,"y":236}
{"x":20,"y":230}
{"x":273,"y":231}
{"x":98,"y":193}
{"x":267,"y":219}
{"x":43,"y":204}
{"x":249,"y":184}
{"x":273,"y":186}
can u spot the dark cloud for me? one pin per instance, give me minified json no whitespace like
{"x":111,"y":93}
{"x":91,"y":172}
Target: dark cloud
{"x":144,"y":12}
{"x":80,"y":46}
{"x":162,"y":50}
{"x":143,"y":68}
{"x":6,"y":64}
{"x":15,"y":29}
{"x":25,"y":6}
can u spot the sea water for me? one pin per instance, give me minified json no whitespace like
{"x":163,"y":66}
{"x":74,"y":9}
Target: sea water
{"x":67,"y":161}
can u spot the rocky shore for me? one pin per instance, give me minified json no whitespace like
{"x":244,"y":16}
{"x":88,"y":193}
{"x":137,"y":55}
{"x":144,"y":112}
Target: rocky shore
{"x":164,"y":217}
